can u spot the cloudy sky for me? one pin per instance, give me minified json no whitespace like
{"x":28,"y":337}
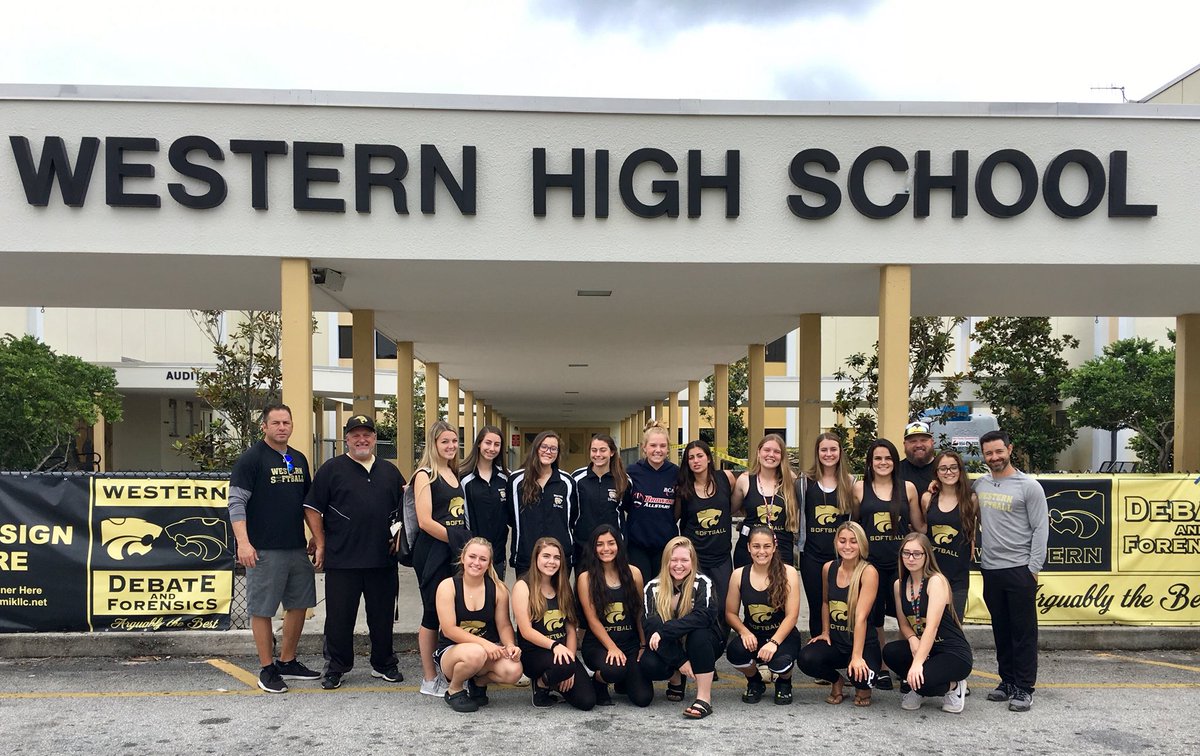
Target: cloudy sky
{"x":1020,"y":50}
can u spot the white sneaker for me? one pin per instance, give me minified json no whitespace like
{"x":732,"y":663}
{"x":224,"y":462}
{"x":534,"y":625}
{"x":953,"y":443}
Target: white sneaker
{"x":523,"y":682}
{"x":956,"y":699}
{"x":443,"y":685}
{"x":435,"y":687}
{"x":911,"y":701}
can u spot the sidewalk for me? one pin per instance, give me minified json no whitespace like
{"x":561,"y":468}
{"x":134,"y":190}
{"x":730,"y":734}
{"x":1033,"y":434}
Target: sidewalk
{"x":408,"y":606}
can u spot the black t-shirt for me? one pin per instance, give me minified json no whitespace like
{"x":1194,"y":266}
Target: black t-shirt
{"x":920,"y":477}
{"x":275,"y":509}
{"x":358,"y":508}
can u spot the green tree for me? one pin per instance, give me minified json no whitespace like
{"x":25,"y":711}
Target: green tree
{"x":1019,"y":371}
{"x":1130,"y":387}
{"x":248,"y":376}
{"x":45,"y":400}
{"x":739,"y":386}
{"x":385,"y":424}
{"x":930,"y":345}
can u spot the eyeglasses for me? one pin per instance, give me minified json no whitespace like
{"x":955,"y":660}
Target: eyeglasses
{"x":912,"y":554}
{"x":948,"y":468}
{"x":291,"y":466}
{"x":546,"y":448}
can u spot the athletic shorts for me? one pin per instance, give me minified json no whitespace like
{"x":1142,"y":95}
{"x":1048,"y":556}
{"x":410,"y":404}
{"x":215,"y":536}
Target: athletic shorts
{"x":281,"y":576}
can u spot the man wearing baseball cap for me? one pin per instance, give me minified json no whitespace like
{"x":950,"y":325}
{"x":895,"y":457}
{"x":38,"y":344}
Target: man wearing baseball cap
{"x":917,"y":465}
{"x":358,"y":497}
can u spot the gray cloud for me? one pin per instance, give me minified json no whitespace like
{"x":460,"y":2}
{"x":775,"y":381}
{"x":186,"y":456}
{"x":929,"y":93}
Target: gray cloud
{"x":822,"y":83}
{"x":676,"y":15}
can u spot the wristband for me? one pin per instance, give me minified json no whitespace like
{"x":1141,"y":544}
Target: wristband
{"x":554,"y":645}
{"x":771,"y":640}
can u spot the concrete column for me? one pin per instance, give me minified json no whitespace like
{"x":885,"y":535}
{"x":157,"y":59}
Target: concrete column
{"x":693,"y":423}
{"x":404,"y":408}
{"x":1187,"y":393}
{"x":99,"y":445}
{"x":453,"y":415}
{"x":756,"y":397}
{"x":480,"y":416}
{"x":468,"y":419}
{"x":676,"y":421}
{"x":432,"y":395}
{"x":362,"y":334}
{"x":295,"y":349}
{"x":808,"y":369}
{"x":721,"y":407}
{"x":895,"y":311}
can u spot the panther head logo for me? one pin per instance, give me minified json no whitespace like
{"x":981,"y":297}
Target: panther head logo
{"x":125,"y":536}
{"x":614,"y":613}
{"x":553,"y":619}
{"x":474,"y":627}
{"x":839,"y":612}
{"x":760,"y":613}
{"x":944,"y":534}
{"x":708,"y":518}
{"x":769,"y":512}
{"x":456,"y":506}
{"x":883,"y":522}
{"x":825,"y":514}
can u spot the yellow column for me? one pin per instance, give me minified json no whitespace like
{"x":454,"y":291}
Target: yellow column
{"x":99,"y":442}
{"x":470,"y":426}
{"x":362,"y":334}
{"x":808,"y":364}
{"x":480,"y":416}
{"x":404,"y":407}
{"x":452,"y":413}
{"x":895,"y":311}
{"x":673,"y":414}
{"x":295,"y":350}
{"x":721,"y":408}
{"x":432,"y":395}
{"x":693,"y":423}
{"x":1187,"y":393}
{"x":756,"y":398}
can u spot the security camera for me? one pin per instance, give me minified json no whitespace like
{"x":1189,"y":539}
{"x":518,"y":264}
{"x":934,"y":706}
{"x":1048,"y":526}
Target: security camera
{"x":328,"y":278}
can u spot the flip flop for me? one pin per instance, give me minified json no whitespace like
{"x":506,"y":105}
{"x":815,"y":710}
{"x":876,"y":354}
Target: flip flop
{"x":698,"y":710}
{"x":835,"y":698}
{"x":861,"y":700}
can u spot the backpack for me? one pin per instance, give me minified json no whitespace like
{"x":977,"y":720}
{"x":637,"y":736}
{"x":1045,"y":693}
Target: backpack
{"x":408,"y":521}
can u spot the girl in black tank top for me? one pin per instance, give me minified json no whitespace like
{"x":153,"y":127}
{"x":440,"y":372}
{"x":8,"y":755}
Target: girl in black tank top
{"x":705,"y":509}
{"x":764,"y":619}
{"x":933,"y":658}
{"x":953,"y":532}
{"x":949,"y":542}
{"x":476,"y":643}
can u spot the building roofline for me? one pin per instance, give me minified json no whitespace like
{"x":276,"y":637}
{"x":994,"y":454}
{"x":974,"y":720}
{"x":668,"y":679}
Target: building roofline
{"x":1170,"y":84}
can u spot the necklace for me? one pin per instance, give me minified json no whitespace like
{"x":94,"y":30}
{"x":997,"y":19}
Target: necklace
{"x":913,"y":594}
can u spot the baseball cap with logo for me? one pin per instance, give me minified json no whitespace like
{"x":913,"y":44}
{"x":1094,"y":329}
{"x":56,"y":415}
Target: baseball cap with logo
{"x":359,"y":421}
{"x":916,"y":428}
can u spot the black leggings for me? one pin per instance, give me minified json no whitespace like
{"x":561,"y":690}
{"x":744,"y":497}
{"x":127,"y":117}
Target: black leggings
{"x":810,"y":577}
{"x":539,"y":662}
{"x":700,"y":647}
{"x":941,"y":669}
{"x":719,"y":574}
{"x":639,"y":689}
{"x":781,"y":663}
{"x":648,"y":559}
{"x":822,"y":661}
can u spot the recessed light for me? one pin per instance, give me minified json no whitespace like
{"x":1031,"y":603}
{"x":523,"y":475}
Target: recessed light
{"x":570,"y":392}
{"x":577,"y":364}
{"x":593,"y":293}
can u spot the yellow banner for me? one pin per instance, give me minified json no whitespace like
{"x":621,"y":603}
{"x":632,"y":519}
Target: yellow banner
{"x":161,"y":492}
{"x":151,"y":594}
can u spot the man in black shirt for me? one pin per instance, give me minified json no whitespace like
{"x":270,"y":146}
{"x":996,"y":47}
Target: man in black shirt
{"x":355,"y":498}
{"x":266,"y":511}
{"x":917,"y":465}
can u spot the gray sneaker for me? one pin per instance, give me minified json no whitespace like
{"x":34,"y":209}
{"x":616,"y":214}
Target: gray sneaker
{"x":955,"y":700}
{"x":1022,"y":700}
{"x":911,"y":700}
{"x":1003,"y":692}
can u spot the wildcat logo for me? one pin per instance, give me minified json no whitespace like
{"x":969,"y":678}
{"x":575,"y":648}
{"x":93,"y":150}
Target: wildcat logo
{"x":614,"y":613}
{"x":474,"y":627}
{"x":883,"y":522}
{"x":944,"y":534}
{"x":708,"y":518}
{"x":553,"y":619}
{"x":769,"y":512}
{"x":125,"y":536}
{"x":825,"y":514}
{"x":503,"y":496}
{"x":1077,"y":522}
{"x":612,"y":494}
{"x":760,"y":613}
{"x":558,"y":501}
{"x":839,"y":612}
{"x":203,"y":537}
{"x":456,"y":506}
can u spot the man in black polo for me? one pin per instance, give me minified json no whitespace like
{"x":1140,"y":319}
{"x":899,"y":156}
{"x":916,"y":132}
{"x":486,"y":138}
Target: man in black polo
{"x":917,"y":465}
{"x":266,"y":512}
{"x":355,"y":498}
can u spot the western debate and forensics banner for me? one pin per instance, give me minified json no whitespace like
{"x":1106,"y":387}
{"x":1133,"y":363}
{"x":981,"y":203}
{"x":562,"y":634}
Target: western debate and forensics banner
{"x":1124,"y":549}
{"x":114,"y":553}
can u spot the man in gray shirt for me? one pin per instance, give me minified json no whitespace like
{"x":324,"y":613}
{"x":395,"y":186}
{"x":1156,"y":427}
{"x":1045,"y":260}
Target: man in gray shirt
{"x":1015,"y":526}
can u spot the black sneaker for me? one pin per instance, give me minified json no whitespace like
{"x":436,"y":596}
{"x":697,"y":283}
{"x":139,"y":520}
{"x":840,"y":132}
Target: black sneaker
{"x":478,"y":693}
{"x":391,"y":674}
{"x":332,"y":680}
{"x":1003,"y":692}
{"x":295,"y":670}
{"x":602,"y":696}
{"x":1022,"y":699}
{"x":542,"y":697}
{"x":461,"y":702}
{"x":883,"y":681}
{"x":755,"y":687}
{"x":783,"y":692}
{"x":270,"y":681}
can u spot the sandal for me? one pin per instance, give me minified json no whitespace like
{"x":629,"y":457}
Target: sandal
{"x":675,"y":692}
{"x":862,"y":698}
{"x":698,"y":710}
{"x":836,"y":696}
